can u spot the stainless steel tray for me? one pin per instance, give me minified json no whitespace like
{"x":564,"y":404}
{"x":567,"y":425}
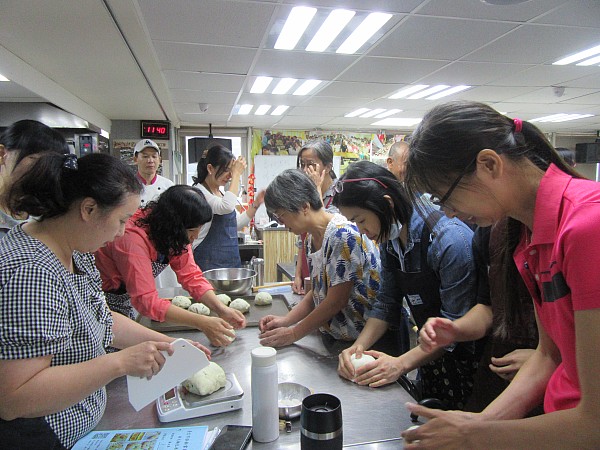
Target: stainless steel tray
{"x":279,"y":307}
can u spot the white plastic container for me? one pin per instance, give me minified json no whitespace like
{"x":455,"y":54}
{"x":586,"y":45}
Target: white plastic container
{"x":265,"y":411}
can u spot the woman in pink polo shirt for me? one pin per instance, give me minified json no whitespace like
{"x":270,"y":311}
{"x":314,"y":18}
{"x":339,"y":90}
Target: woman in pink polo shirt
{"x":481,"y":166}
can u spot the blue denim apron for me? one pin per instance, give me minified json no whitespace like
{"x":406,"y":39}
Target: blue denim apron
{"x":219,"y":249}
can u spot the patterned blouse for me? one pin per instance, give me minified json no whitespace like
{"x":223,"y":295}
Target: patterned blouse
{"x":47,"y":310}
{"x":345,"y":255}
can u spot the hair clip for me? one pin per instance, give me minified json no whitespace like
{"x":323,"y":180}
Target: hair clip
{"x":70,"y":162}
{"x":518,"y":125}
{"x":204,"y":154}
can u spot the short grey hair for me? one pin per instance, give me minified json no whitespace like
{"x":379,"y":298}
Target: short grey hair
{"x":290,"y":191}
{"x":324,"y":153}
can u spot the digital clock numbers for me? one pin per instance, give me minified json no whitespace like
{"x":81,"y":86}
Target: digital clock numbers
{"x":156,"y":129}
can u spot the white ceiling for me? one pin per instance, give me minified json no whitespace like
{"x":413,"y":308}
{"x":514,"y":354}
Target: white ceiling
{"x":158,"y":59}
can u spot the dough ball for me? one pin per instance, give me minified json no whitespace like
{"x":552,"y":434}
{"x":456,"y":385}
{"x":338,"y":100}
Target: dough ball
{"x":199,"y":308}
{"x":182,"y":301}
{"x":364,"y":359}
{"x":206,"y":381}
{"x":224,"y":298}
{"x":240,"y":304}
{"x":263,"y":298}
{"x":231,"y":339}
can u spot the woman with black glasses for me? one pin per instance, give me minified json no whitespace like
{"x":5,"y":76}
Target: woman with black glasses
{"x":426,"y":258}
{"x":344,"y":266}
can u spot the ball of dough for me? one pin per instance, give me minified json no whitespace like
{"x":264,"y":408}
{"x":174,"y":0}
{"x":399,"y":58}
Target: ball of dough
{"x":240,"y":304}
{"x":200,"y":308}
{"x":364,"y":359}
{"x":182,"y":301}
{"x":206,"y":381}
{"x":263,"y":298}
{"x":231,"y":339}
{"x":224,"y":298}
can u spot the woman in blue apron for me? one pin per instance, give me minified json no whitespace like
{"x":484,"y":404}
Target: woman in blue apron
{"x":217,"y":245}
{"x":426,"y":258}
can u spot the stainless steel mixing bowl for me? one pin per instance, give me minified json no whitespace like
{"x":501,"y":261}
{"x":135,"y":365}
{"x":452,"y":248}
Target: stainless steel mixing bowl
{"x":289,"y":399}
{"x":231,"y":281}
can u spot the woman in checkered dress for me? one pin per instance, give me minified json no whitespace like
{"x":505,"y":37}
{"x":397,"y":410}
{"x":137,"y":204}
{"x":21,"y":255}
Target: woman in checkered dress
{"x":54,"y":322}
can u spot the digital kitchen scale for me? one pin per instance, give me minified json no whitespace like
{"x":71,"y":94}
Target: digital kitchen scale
{"x":179,"y":404}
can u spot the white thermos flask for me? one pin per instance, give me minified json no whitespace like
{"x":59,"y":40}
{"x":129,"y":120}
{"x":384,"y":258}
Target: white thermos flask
{"x":264,"y":385}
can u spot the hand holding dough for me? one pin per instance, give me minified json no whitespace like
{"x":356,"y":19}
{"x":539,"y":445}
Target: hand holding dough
{"x":206,"y":381}
{"x":263,"y":298}
{"x":182,"y":301}
{"x":240,"y":304}
{"x":358,"y":363}
{"x":199,"y":308}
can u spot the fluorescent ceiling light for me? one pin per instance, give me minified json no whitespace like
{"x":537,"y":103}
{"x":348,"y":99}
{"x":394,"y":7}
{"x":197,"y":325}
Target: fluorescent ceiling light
{"x":447,"y":92}
{"x":357,"y":112}
{"x":262,"y":110}
{"x":561,"y":117}
{"x":104,"y":133}
{"x":589,"y":62}
{"x":245,"y":109}
{"x":373,"y":112}
{"x":260,"y":85}
{"x":284,"y":85}
{"x":368,"y":27}
{"x":428,"y":92}
{"x":407,"y":91}
{"x":333,"y":25}
{"x":306,"y":87}
{"x":397,"y":122}
{"x":3,"y":78}
{"x":578,"y":56}
{"x":294,"y":27}
{"x":279,"y":110}
{"x":388,"y":113}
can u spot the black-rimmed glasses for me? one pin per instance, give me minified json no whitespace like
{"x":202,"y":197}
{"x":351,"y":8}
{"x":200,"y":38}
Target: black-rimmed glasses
{"x":338,"y":186}
{"x":442,"y":201}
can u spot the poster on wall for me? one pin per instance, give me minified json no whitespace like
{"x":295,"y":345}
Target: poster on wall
{"x":124,"y":148}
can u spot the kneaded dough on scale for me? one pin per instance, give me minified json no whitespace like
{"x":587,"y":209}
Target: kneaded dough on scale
{"x":182,"y":301}
{"x":364,"y":359}
{"x":199,"y":308}
{"x":240,"y":304}
{"x":263,"y":298}
{"x":224,"y":298}
{"x":206,"y":381}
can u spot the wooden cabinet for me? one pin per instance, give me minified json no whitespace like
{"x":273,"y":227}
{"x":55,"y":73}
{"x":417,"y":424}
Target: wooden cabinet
{"x":279,"y":245}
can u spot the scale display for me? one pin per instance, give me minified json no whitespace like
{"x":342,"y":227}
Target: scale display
{"x":156,"y":129}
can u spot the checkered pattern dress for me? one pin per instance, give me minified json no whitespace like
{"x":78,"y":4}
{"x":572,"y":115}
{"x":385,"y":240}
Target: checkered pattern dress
{"x":46,"y":310}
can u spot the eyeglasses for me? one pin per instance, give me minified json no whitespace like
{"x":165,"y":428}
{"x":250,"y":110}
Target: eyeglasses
{"x":338,"y":186}
{"x":442,"y":201}
{"x":305,"y":165}
{"x":277,"y":217}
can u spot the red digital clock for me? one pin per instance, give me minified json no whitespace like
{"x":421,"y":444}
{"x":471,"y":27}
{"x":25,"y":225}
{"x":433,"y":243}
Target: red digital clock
{"x":156,"y":129}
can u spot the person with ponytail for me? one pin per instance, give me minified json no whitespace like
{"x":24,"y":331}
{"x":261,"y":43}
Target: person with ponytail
{"x":481,"y":166}
{"x":217,"y":244}
{"x":54,"y":321}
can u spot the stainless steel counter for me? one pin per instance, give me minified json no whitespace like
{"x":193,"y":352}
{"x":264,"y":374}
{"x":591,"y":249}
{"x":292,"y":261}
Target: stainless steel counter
{"x":370,"y":415}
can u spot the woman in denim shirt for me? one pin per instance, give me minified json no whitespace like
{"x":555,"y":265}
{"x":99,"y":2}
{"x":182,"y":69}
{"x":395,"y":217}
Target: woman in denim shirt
{"x":427,"y":259}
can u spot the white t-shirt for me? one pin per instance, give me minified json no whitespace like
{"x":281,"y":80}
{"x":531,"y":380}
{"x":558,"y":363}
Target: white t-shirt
{"x":153,"y":191}
{"x":220,"y":205}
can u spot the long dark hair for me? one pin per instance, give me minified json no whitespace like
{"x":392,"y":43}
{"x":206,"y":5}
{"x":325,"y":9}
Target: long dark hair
{"x":30,"y":136}
{"x":47,"y":184}
{"x":178,"y":209}
{"x":447,"y":142}
{"x":217,"y":156}
{"x":368,"y":194}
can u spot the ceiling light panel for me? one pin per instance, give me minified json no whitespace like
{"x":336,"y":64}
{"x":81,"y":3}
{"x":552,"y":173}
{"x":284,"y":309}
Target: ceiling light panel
{"x":589,"y":62}
{"x":585,"y":54}
{"x":3,"y":78}
{"x":294,"y":27}
{"x":279,"y":110}
{"x":373,"y":112}
{"x":388,"y":113}
{"x":447,"y":92}
{"x":408,"y":91}
{"x":260,"y":85}
{"x":357,"y":112}
{"x":284,"y":85}
{"x":428,"y":92}
{"x":561,"y":117}
{"x":306,"y":87}
{"x":244,"y":109}
{"x":328,"y":30}
{"x":262,"y":110}
{"x":397,"y":122}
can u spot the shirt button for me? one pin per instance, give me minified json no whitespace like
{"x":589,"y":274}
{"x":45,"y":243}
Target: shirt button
{"x":537,"y":277}
{"x":533,"y":252}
